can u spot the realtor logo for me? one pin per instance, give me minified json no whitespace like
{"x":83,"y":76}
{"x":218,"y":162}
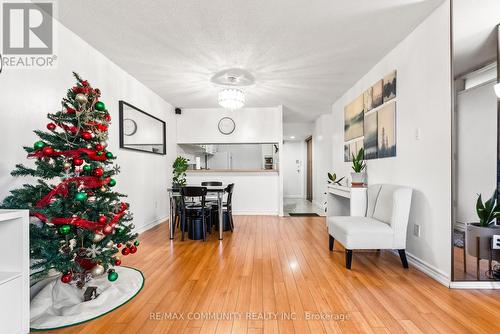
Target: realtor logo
{"x":27,"y":35}
{"x":27,"y":28}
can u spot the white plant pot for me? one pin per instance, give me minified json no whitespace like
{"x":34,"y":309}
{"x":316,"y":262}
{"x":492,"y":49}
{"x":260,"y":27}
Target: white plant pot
{"x":358,"y":178}
{"x":485,"y":234}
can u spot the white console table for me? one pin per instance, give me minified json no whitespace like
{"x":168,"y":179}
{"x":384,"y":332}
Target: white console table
{"x":345,"y":201}
{"x":14,"y":272}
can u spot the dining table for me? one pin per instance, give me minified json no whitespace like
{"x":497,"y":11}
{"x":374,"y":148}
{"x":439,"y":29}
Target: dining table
{"x":214,"y":190}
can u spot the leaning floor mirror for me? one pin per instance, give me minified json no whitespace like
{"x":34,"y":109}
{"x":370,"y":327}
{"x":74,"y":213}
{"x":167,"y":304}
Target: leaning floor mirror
{"x":140,"y":131}
{"x":476,"y":141}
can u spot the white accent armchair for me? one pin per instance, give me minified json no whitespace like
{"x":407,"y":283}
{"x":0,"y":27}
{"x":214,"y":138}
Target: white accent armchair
{"x":383,"y":227}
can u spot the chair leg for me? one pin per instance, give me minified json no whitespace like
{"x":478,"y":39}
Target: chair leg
{"x":331,"y":240}
{"x":348,"y":258}
{"x":183,"y":226}
{"x":230,"y":216}
{"x":203,"y":222}
{"x":402,"y":255}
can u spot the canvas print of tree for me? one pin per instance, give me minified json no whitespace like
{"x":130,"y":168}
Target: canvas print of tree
{"x":367,"y":99}
{"x":377,"y":94}
{"x":370,"y":139}
{"x":390,"y":86}
{"x":386,"y":128}
{"x":353,"y":119}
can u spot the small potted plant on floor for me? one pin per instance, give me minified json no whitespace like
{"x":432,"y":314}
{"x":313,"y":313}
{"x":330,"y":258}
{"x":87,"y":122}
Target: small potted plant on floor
{"x":483,"y":231}
{"x":358,"y":166}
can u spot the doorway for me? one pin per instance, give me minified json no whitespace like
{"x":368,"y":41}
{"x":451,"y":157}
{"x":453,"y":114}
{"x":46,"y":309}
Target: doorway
{"x":309,"y":170}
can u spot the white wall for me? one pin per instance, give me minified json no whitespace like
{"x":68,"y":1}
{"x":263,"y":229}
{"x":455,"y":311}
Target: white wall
{"x":300,"y":131}
{"x":422,"y":61}
{"x":476,"y":148}
{"x":293,"y":168}
{"x":322,"y":157}
{"x":28,"y":95}
{"x":253,"y":125}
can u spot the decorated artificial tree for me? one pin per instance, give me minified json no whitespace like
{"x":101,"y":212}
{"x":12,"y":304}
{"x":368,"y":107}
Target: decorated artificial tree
{"x":79,"y":225}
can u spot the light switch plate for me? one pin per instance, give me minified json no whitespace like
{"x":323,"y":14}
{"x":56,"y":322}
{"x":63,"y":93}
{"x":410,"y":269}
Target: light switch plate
{"x":495,"y":242}
{"x":416,"y":230}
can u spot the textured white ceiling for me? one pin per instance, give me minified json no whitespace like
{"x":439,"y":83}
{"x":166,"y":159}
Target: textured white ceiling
{"x":304,"y":53}
{"x":474,"y":39}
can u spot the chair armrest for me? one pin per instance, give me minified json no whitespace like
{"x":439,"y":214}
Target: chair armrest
{"x":401,"y":204}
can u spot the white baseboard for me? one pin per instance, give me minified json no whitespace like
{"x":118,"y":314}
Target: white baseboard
{"x":475,"y":285}
{"x":151,"y":224}
{"x":426,"y":268}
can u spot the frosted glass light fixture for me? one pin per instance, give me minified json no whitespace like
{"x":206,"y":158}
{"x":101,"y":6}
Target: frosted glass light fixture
{"x":497,"y":90}
{"x":231,"y":98}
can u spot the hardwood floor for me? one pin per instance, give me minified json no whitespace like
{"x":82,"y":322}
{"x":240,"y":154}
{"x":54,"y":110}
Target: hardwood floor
{"x":283,"y":266}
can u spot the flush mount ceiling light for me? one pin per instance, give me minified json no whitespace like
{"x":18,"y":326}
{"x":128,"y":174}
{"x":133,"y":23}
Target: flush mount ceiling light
{"x":497,"y":90}
{"x":232,"y":96}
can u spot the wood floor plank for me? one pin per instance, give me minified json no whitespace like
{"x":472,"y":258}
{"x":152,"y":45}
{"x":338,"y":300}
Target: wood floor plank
{"x":276,"y":275}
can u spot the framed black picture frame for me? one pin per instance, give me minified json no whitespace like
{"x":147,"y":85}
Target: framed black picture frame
{"x":154,"y":148}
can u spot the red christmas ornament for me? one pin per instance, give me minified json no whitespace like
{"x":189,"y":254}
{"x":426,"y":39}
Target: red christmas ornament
{"x":77,"y":161}
{"x":98,"y":147}
{"x":85,"y":83}
{"x":125,"y":251}
{"x":85,"y":90}
{"x":119,"y":245}
{"x":75,"y":89}
{"x":86,"y":263}
{"x":124,"y":206}
{"x":102,"y":127}
{"x":66,"y":278}
{"x":107,"y":230}
{"x":133,"y":249}
{"x":73,"y":129}
{"x":51,"y":126}
{"x":107,"y":118}
{"x":118,"y":262}
{"x":70,"y":110}
{"x":86,"y":135}
{"x":47,"y":150}
{"x":98,"y":172}
{"x":102,"y":219}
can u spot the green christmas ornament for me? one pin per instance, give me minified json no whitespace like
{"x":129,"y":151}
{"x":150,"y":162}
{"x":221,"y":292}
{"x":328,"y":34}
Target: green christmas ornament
{"x":112,"y":183}
{"x":39,"y":145}
{"x":64,"y":229}
{"x":137,"y":243}
{"x":87,"y":168}
{"x":99,"y":152}
{"x":112,"y":276}
{"x":100,"y":106}
{"x":81,"y":196}
{"x":109,"y":155}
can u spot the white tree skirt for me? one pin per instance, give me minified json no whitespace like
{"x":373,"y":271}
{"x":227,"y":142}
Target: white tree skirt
{"x":55,"y":304}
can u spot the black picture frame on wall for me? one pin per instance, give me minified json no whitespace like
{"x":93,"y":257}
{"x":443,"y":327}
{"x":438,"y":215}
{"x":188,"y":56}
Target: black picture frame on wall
{"x":136,"y":122}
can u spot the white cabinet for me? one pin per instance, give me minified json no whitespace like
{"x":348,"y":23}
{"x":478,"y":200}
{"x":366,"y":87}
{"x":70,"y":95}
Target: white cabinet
{"x":14,"y":271}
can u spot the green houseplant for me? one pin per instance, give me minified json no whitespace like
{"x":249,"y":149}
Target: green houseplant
{"x":479,"y":234}
{"x":180,"y":167}
{"x":332,"y":179}
{"x":358,"y":166}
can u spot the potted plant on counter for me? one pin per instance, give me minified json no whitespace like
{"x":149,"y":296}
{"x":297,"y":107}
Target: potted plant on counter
{"x":179,"y":169}
{"x":483,"y":231}
{"x":358,"y":165}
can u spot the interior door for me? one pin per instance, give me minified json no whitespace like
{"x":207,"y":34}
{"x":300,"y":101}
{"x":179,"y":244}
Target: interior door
{"x":309,"y":168}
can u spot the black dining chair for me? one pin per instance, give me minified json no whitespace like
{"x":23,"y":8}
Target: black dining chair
{"x":227,"y":207}
{"x":191,"y":211}
{"x":211,"y":198}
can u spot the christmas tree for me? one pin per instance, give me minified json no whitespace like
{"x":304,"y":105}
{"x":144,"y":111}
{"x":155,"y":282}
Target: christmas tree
{"x":78,"y":224}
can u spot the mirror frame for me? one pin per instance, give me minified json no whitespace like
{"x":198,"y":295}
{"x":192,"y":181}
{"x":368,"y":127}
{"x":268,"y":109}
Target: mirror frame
{"x":122,"y":144}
